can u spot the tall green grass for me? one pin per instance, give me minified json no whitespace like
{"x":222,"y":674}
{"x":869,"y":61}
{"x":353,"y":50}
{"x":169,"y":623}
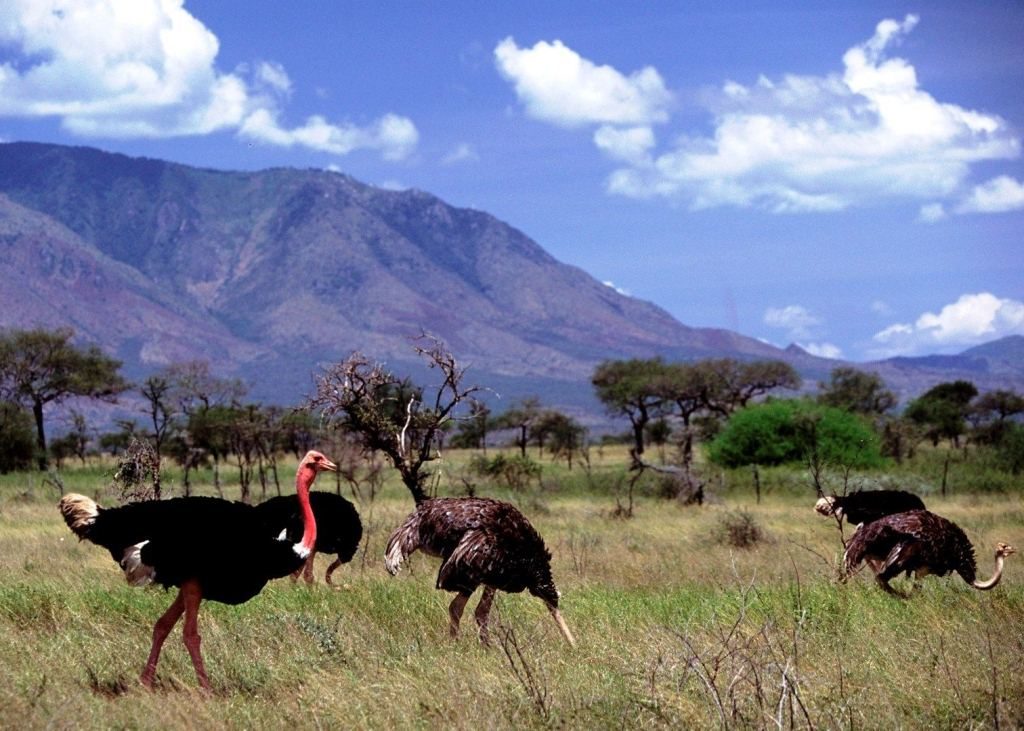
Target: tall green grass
{"x":676,"y":628}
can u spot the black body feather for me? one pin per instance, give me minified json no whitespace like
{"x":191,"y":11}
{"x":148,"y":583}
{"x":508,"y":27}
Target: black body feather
{"x":338,"y":527}
{"x":223,"y":545}
{"x":865,"y":506}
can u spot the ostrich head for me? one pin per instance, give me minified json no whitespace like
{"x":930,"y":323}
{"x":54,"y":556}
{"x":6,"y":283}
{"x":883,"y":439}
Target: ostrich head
{"x":1004,"y":549}
{"x":317,"y":462}
{"x":827,"y":506}
{"x":543,"y":587}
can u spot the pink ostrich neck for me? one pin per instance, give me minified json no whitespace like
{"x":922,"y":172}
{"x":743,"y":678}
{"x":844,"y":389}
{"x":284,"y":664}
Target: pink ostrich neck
{"x":303,"y":481}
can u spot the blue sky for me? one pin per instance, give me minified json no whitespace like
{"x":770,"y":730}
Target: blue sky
{"x":846,"y":176}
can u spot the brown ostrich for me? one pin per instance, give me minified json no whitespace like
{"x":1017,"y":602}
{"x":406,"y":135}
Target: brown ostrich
{"x":920,"y":543}
{"x":481,"y":542}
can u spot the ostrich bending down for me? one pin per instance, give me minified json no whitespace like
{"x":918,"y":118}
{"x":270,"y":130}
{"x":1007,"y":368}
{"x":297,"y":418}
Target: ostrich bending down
{"x":865,"y":506}
{"x":338,"y":528}
{"x":209,"y":548}
{"x":919,"y":543}
{"x":480,"y":541}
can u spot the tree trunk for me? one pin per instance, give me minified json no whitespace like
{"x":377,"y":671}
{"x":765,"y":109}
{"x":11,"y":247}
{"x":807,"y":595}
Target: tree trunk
{"x":757,"y":485}
{"x":37,"y":412}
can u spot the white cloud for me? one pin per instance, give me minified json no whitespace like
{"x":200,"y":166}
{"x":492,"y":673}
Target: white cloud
{"x":932,"y":213}
{"x":996,"y":196}
{"x":972,"y":319}
{"x":147,"y":68}
{"x":881,"y":307}
{"x":823,"y":350}
{"x":620,"y":290}
{"x":795,"y":319}
{"x":557,"y":85}
{"x":631,"y":144}
{"x":862,"y":134}
{"x":462,"y":153}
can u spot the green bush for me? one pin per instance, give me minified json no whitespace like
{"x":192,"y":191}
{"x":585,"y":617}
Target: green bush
{"x":783,"y":431}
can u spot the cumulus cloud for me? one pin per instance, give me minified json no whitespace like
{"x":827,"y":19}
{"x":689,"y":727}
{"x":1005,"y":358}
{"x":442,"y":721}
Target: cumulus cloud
{"x":996,"y":196}
{"x":147,"y":68}
{"x":462,"y":153}
{"x":823,"y":350}
{"x":864,"y":133}
{"x":932,"y":213}
{"x":557,"y":85}
{"x":796,"y":320}
{"x":972,"y":319}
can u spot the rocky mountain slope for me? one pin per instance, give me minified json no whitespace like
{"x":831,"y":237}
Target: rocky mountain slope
{"x":271,"y":274}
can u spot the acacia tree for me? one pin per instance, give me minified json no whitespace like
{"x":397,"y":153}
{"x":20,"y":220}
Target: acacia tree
{"x":857,"y":391}
{"x":391,"y":415}
{"x":41,"y":367}
{"x":521,"y":417}
{"x":628,"y":388}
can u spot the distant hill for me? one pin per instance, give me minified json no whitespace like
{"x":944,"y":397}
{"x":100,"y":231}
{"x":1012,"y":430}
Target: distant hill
{"x":271,"y":274}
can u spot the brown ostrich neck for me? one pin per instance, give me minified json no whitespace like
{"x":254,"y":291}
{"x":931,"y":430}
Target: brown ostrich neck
{"x":304,"y":479}
{"x":996,"y":575}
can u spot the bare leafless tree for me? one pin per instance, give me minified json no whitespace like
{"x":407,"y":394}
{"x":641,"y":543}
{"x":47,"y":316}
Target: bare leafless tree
{"x":391,"y":415}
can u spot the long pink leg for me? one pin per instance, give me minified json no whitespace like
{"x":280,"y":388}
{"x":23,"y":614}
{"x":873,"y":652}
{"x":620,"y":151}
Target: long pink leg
{"x":193,"y":597}
{"x":161,"y":629}
{"x":455,"y":613}
{"x":483,"y":611}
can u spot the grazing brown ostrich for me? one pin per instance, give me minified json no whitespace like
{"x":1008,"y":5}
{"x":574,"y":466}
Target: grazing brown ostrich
{"x":209,"y":548}
{"x":920,"y":543}
{"x":480,"y":541}
{"x":864,"y":506}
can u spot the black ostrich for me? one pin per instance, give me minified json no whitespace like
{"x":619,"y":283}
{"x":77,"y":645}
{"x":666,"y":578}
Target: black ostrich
{"x":338,"y":528}
{"x":865,"y":506}
{"x":480,"y":541}
{"x":920,"y":543}
{"x":210,"y":548}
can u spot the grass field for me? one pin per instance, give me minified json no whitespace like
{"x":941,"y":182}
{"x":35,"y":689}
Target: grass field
{"x":676,"y":628}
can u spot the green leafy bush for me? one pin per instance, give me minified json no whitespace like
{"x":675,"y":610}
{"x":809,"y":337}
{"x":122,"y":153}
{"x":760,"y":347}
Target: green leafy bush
{"x":783,"y":431}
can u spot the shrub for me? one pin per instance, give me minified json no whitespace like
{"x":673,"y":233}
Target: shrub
{"x":738,"y":529}
{"x":783,"y":431}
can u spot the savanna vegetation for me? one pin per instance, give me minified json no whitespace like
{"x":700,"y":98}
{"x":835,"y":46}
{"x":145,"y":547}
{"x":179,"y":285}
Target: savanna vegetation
{"x":702,"y":589}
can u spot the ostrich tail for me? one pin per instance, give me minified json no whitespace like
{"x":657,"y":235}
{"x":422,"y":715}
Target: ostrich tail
{"x":80,"y":512}
{"x":394,"y":557}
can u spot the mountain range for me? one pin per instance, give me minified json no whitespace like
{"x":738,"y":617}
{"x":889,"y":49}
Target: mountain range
{"x":270,"y":275}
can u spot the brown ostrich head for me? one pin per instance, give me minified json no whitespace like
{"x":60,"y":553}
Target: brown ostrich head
{"x":1004,"y":549}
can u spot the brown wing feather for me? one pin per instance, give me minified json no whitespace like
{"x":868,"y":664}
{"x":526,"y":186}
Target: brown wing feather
{"x":913,"y":540}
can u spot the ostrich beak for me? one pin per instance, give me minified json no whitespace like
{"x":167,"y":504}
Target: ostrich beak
{"x":328,"y":465}
{"x":561,"y":625}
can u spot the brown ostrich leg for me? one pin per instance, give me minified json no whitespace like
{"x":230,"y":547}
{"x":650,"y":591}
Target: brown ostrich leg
{"x":455,"y":612}
{"x":483,"y":611}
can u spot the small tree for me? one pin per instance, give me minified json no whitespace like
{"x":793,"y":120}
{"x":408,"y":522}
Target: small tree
{"x":856,"y":391}
{"x":390,"y":415}
{"x":42,"y":367}
{"x":629,"y":388}
{"x":942,"y":411}
{"x":521,"y":417}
